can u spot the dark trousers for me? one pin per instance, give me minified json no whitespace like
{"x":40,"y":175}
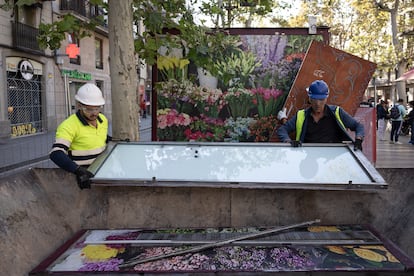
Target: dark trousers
{"x":412,"y":132}
{"x":395,"y":130}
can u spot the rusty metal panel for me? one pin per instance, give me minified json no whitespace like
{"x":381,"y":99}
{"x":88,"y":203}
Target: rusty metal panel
{"x":346,"y":75}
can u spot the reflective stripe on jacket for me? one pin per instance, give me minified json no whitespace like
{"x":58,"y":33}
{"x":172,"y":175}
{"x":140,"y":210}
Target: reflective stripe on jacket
{"x":81,"y":141}
{"x":343,"y":119}
{"x":300,"y":119}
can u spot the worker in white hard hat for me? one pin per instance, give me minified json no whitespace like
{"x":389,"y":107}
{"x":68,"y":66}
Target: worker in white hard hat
{"x":82,"y":136}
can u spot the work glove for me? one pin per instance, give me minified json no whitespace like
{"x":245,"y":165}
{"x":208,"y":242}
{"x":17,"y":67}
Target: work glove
{"x":83,"y":177}
{"x":358,"y":145}
{"x":282,"y":114}
{"x":295,"y":143}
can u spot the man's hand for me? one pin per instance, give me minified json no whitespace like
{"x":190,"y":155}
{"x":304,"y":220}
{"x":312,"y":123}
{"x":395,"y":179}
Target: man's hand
{"x":295,"y":143}
{"x":83,"y":177}
{"x":358,"y":144}
{"x":282,"y":114}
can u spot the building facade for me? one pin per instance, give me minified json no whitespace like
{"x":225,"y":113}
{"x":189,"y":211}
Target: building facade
{"x":37,"y":86}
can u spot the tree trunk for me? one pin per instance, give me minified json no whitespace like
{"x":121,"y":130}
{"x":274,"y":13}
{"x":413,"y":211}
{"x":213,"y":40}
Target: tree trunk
{"x":125,"y":105}
{"x":400,"y":86}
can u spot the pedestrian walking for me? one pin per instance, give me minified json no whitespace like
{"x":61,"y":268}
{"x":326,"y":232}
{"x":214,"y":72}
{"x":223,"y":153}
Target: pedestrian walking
{"x":396,"y":123}
{"x":382,"y":119}
{"x":410,"y":121}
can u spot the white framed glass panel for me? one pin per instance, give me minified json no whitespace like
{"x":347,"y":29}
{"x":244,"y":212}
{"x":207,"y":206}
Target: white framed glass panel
{"x":250,"y":165}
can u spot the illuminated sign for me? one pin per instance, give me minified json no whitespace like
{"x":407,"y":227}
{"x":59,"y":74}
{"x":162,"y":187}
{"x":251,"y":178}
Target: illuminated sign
{"x":72,"y":50}
{"x":75,"y":74}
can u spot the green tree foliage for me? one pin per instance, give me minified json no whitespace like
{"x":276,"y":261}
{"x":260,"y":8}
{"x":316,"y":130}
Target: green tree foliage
{"x":51,"y":35}
{"x":157,"y":16}
{"x":371,"y":37}
{"x":225,"y":13}
{"x":9,"y":4}
{"x":365,"y":28}
{"x":401,"y":22}
{"x":378,"y":30}
{"x":401,"y":19}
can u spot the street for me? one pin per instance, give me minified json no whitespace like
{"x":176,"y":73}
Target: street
{"x":145,"y":129}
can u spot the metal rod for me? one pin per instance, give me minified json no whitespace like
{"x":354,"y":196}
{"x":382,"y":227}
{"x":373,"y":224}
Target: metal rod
{"x":219,"y":243}
{"x":253,"y":242}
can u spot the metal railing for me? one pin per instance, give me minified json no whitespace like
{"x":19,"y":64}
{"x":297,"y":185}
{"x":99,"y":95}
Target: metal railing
{"x":82,"y":7}
{"x":25,"y":37}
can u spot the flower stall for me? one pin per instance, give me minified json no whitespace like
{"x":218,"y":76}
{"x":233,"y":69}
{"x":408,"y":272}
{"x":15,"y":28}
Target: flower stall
{"x":252,"y":73}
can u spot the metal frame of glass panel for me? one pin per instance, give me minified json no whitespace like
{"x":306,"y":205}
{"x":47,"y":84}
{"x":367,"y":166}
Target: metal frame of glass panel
{"x":235,"y":165}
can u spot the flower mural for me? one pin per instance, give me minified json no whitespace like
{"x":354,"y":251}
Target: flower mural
{"x":238,"y":129}
{"x":90,"y":253}
{"x":171,"y":124}
{"x":253,"y":85}
{"x":239,"y":101}
{"x":267,"y":100}
{"x":173,"y":67}
{"x":205,"y":129}
{"x":262,"y":128}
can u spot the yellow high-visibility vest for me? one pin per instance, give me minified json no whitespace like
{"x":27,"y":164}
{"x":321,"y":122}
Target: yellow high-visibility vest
{"x":82,"y":141}
{"x":300,"y":118}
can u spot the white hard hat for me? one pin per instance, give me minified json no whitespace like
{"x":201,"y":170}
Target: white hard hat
{"x":90,"y":94}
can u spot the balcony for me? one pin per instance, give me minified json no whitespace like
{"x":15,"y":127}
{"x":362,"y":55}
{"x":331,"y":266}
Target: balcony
{"x":83,"y":8}
{"x":24,"y":38}
{"x":78,"y":6}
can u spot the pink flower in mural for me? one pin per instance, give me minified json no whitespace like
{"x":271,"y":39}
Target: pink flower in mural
{"x":268,"y":100}
{"x":170,"y":117}
{"x":171,"y":124}
{"x":205,"y":129}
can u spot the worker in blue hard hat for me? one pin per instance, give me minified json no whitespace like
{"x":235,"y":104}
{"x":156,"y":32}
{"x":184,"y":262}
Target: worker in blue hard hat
{"x":321,"y":123}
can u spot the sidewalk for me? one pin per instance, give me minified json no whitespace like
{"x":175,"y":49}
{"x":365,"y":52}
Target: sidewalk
{"x":145,"y":126}
{"x":395,"y":155}
{"x":33,"y":151}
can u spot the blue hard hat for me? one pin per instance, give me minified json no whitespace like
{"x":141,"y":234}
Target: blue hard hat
{"x":318,"y":90}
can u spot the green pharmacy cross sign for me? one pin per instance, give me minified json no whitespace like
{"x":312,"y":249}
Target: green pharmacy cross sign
{"x":75,"y":74}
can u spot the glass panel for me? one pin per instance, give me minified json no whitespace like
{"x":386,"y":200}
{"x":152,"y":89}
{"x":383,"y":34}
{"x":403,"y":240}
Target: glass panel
{"x":234,"y":163}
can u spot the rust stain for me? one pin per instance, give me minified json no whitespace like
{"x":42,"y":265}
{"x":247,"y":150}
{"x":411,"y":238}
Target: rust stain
{"x":346,"y":75}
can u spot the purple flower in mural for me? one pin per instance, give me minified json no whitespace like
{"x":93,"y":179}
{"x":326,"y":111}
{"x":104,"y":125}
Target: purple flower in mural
{"x":268,"y":49}
{"x":107,"y":265}
{"x":239,"y":258}
{"x":287,"y":258}
{"x":124,"y":236}
{"x":186,"y":262}
{"x":289,"y":66}
{"x":282,"y":74}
